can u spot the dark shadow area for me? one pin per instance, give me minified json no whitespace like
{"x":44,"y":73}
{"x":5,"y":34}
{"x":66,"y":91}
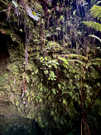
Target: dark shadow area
{"x":17,"y":125}
{"x":4,"y":54}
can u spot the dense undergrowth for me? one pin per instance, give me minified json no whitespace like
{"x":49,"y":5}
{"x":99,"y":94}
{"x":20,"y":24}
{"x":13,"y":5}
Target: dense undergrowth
{"x":53,"y":71}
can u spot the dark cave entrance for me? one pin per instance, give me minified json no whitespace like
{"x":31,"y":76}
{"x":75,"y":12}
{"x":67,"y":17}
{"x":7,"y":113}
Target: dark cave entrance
{"x":4,"y":54}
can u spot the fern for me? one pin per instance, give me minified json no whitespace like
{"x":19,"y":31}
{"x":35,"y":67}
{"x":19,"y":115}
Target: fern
{"x":93,"y":36}
{"x":96,"y":13}
{"x":94,"y":25}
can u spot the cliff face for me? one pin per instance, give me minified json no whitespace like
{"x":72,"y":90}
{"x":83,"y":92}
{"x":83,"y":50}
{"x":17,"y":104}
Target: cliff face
{"x":16,"y":33}
{"x":17,"y":98}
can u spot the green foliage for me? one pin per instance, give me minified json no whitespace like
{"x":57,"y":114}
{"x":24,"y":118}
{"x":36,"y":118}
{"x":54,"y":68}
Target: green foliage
{"x":74,"y":73}
{"x":93,"y":25}
{"x":96,"y":12}
{"x":57,"y":84}
{"x":52,"y":76}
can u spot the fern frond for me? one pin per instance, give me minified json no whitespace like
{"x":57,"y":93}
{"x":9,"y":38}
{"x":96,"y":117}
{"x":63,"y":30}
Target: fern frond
{"x":96,"y":37}
{"x":94,"y":25}
{"x":96,"y":11}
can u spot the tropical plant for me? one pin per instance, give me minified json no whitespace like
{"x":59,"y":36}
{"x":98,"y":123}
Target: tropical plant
{"x":96,"y":13}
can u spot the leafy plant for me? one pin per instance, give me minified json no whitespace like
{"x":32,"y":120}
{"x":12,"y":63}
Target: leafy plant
{"x":96,"y":13}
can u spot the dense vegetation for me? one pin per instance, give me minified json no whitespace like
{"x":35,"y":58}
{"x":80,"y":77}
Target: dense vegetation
{"x":50,"y":63}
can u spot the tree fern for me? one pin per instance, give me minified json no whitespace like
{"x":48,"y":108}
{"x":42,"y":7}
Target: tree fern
{"x":96,"y":13}
{"x":95,"y":25}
